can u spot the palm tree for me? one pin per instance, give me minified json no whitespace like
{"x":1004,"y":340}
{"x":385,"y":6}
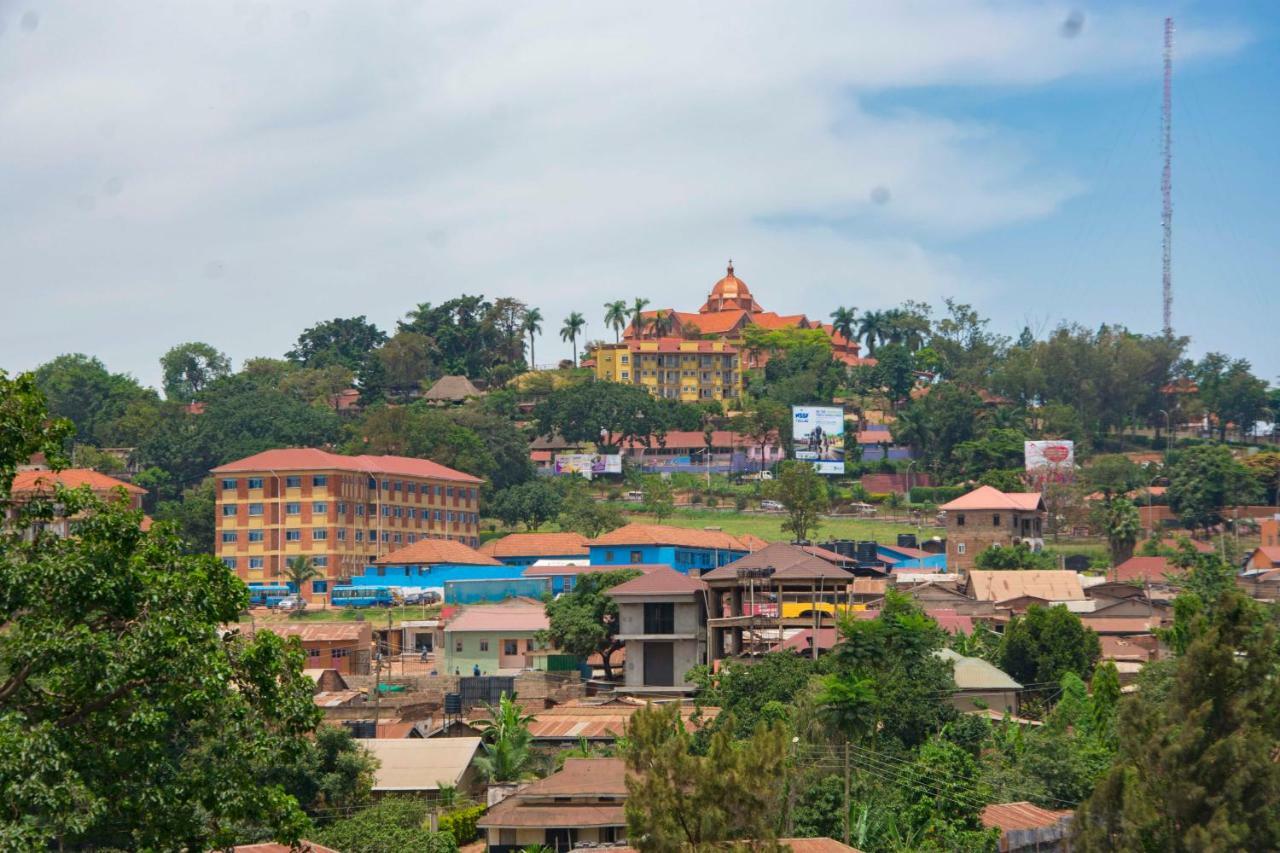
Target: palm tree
{"x":570,"y":330}
{"x":662,"y":324}
{"x":532,"y":326}
{"x":508,"y":753}
{"x":844,"y":321}
{"x":615,"y":315}
{"x":871,"y":328}
{"x":298,"y":570}
{"x":637,"y":316}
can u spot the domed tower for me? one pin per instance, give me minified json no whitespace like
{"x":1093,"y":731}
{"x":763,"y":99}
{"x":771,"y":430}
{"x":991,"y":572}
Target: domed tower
{"x":730,"y":293}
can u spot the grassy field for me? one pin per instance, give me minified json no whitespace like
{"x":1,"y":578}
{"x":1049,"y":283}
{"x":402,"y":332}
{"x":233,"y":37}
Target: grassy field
{"x":316,"y":613}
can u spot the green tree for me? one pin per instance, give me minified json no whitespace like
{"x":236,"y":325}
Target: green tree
{"x":585,"y":515}
{"x":609,"y":413}
{"x":99,"y":403}
{"x":300,"y":569}
{"x":763,"y":425}
{"x":189,"y":368}
{"x":346,"y":341}
{"x":532,"y":328}
{"x":942,"y":793}
{"x":1196,"y":768}
{"x":1010,"y":557}
{"x":390,"y":825}
{"x":584,"y":621}
{"x":658,"y":497}
{"x":534,"y":502}
{"x":871,"y":329}
{"x":570,"y":330}
{"x":1047,"y":642}
{"x":747,"y":694}
{"x":406,"y":362}
{"x":636,"y":313}
{"x":895,"y":371}
{"x":1205,"y":479}
{"x":1122,"y":524}
{"x":1114,"y":474}
{"x":803,"y":495}
{"x":615,"y":316}
{"x":677,"y":800}
{"x":1230,"y":392}
{"x":114,"y":638}
{"x":193,"y":516}
{"x":334,"y":775}
{"x":844,"y":322}
{"x":508,"y":745}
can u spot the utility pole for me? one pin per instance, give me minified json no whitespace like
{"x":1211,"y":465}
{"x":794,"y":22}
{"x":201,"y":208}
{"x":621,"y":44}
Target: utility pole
{"x":846,"y":791}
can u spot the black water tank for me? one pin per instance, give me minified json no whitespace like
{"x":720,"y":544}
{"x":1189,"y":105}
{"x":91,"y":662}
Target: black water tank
{"x":843,"y":547}
{"x":906,"y":540}
{"x":453,"y":703}
{"x":1076,"y":562}
{"x":363,"y":729}
{"x":865,"y":552}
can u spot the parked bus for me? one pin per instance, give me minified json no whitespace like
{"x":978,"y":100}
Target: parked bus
{"x":362,"y":596}
{"x":267,"y":594}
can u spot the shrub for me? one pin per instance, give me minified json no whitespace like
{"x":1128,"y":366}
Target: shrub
{"x":740,"y":502}
{"x":936,"y":494}
{"x":713,"y":501}
{"x":695,"y":498}
{"x":461,"y":824}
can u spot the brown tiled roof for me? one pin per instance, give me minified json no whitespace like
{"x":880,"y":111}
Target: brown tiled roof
{"x":988,"y":497}
{"x":429,"y":552}
{"x":790,"y":562}
{"x":1202,"y":547}
{"x":827,"y":554}
{"x":1121,"y":649}
{"x":605,"y":721}
{"x":1131,"y":625}
{"x":1020,"y":815}
{"x":1271,"y":552}
{"x":514,"y":813}
{"x":951,"y":621}
{"x":314,"y":459}
{"x":583,"y":777}
{"x":1149,"y":569}
{"x":71,"y":478}
{"x":536,"y":545}
{"x":303,"y":846}
{"x":870,"y":586}
{"x":499,"y":617}
{"x":664,"y":581}
{"x":663,"y":534}
{"x":1051,"y":585}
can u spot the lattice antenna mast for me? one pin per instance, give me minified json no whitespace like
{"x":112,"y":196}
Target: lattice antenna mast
{"x":1166,"y":179}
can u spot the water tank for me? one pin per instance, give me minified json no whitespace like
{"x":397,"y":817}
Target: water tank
{"x":1077,"y":562}
{"x":843,"y":547}
{"x":906,"y":540}
{"x":453,"y":703}
{"x":362,"y":729}
{"x":865,"y":552}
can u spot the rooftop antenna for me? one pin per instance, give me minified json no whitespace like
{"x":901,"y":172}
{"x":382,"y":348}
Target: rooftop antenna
{"x":1166,"y":179}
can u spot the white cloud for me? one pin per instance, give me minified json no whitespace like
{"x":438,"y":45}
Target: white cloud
{"x":234,"y":173}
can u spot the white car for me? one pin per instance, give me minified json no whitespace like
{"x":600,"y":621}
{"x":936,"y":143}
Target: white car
{"x":772,"y":506}
{"x":292,"y":602}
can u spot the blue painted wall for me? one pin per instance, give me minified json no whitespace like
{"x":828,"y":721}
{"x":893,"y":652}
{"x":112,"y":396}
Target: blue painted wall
{"x":933,"y":562}
{"x":529,"y":561}
{"x":680,"y":559}
{"x":433,"y":576}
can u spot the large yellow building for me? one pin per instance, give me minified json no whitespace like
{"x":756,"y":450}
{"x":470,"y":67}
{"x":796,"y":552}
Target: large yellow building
{"x":692,"y":371}
{"x":342,"y":511}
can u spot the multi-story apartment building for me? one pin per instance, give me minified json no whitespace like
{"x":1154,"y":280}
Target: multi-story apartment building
{"x":341,"y":511}
{"x":677,"y":369}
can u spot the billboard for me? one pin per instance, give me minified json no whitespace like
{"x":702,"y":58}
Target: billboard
{"x":817,"y":435}
{"x":588,"y":464}
{"x":1050,"y":461}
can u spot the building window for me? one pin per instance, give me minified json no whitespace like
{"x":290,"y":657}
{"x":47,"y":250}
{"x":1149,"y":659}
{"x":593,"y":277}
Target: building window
{"x":636,"y":556}
{"x":360,"y":510}
{"x":399,"y":512}
{"x":229,"y":536}
{"x":320,"y":480}
{"x":396,"y":538}
{"x":229,"y":562}
{"x":292,"y":508}
{"x":373,"y":484}
{"x":313,"y":652}
{"x":660,"y":618}
{"x":228,"y":485}
{"x":338,"y":653}
{"x":255,"y":482}
{"x":342,"y":534}
{"x":457,"y":645}
{"x":255,"y":562}
{"x":386,"y":537}
{"x":386,"y":485}
{"x":293,"y":536}
{"x":228,"y":509}
{"x":960,"y":548}
{"x":342,"y":508}
{"x":359,"y":535}
{"x":321,"y":562}
{"x":511,"y":647}
{"x":608,"y":555}
{"x":395,"y":486}
{"x":255,"y":509}
{"x":386,"y":511}
{"x":995,"y":521}
{"x":319,"y":586}
{"x":319,"y":507}
{"x":484,"y":645}
{"x":319,"y":535}
{"x":255,"y":535}
{"x":412,"y":537}
{"x":293,"y":482}
{"x":960,"y":520}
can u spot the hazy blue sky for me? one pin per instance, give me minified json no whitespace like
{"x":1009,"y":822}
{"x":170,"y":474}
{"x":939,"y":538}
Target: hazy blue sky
{"x":234,"y":172}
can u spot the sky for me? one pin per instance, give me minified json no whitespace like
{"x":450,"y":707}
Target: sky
{"x":234,"y":172}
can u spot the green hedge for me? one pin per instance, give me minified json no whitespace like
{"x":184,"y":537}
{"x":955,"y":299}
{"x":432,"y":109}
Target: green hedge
{"x":936,"y":494}
{"x":461,"y":824}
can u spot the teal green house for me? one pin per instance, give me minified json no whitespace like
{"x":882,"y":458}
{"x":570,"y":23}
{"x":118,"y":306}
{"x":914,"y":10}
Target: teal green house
{"x":496,"y":639}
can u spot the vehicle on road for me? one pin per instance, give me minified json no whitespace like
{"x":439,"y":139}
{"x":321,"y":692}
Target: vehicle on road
{"x":291,"y":602}
{"x":772,"y":506}
{"x":362,"y":596}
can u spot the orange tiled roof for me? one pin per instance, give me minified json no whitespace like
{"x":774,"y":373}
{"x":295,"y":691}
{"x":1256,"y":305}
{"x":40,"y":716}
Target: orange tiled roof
{"x":988,"y":497}
{"x":661,"y":582}
{"x":519,"y":616}
{"x":1148,"y":569}
{"x":427,"y":552}
{"x":1020,"y":815}
{"x":662,"y":534}
{"x":314,"y":459}
{"x":72,"y":478}
{"x":771,"y":320}
{"x":536,"y":545}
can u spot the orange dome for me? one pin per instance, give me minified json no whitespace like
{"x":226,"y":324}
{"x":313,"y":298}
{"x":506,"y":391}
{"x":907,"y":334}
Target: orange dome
{"x":729,"y":293}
